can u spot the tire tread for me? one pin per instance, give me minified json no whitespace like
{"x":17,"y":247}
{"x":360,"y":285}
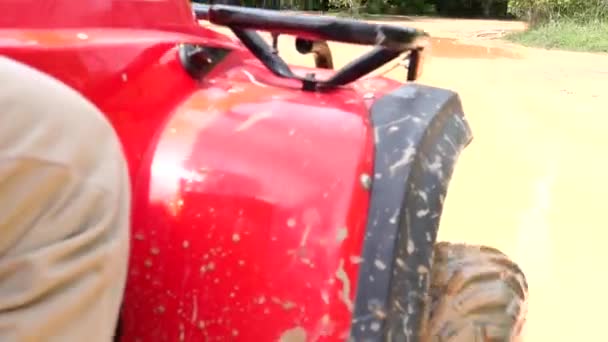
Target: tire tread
{"x":477,"y":294}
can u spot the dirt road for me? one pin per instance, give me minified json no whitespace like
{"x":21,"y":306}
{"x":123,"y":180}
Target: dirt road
{"x":534,"y":181}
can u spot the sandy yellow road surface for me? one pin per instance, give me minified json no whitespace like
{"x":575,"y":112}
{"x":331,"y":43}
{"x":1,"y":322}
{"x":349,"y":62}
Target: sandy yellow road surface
{"x":534,"y":181}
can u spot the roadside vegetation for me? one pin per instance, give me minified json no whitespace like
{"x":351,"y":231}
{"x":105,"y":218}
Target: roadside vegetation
{"x":565,"y":34}
{"x":578,"y":25}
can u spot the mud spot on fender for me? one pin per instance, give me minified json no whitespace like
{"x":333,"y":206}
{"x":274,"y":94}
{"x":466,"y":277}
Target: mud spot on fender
{"x":252,"y":120}
{"x":236,"y":237}
{"x":342,"y":234}
{"x":379,"y":264}
{"x":286,"y":305}
{"x":297,"y":334}
{"x":345,"y":293}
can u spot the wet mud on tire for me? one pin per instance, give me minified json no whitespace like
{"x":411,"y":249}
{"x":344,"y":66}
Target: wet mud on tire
{"x":477,"y":295}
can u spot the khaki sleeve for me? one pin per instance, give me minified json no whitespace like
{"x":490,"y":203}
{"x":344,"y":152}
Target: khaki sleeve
{"x":64,"y":212}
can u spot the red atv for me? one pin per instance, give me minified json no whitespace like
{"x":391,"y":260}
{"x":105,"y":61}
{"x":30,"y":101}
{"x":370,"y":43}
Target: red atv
{"x":274,"y":202}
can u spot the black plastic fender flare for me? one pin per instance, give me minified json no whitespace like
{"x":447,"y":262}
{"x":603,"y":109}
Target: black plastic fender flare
{"x":419,"y":134}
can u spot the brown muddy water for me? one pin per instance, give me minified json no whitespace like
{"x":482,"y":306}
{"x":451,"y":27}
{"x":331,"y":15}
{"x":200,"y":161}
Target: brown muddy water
{"x":453,"y":48}
{"x":533,"y":182}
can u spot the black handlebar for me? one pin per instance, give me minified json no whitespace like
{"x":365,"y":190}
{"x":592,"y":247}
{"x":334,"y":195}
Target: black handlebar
{"x":311,"y":27}
{"x":390,"y":41}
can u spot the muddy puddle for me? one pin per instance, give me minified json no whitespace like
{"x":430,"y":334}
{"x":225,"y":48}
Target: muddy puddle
{"x":453,"y":48}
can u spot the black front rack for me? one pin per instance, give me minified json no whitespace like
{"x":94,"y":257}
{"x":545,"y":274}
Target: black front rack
{"x":389,"y":41}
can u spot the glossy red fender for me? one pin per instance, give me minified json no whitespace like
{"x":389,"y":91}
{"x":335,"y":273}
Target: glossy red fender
{"x":249,"y":207}
{"x":255,"y":215}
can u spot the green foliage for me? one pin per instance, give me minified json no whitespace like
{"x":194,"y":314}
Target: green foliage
{"x":566,"y":34}
{"x":343,"y":4}
{"x":472,"y":8}
{"x":578,"y":25}
{"x":413,"y":6}
{"x":386,"y":6}
{"x":542,"y":11}
{"x":457,"y":8}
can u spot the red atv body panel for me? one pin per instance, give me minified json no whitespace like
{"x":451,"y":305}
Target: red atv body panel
{"x":248,"y":206}
{"x":261,"y":212}
{"x":247,"y":229}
